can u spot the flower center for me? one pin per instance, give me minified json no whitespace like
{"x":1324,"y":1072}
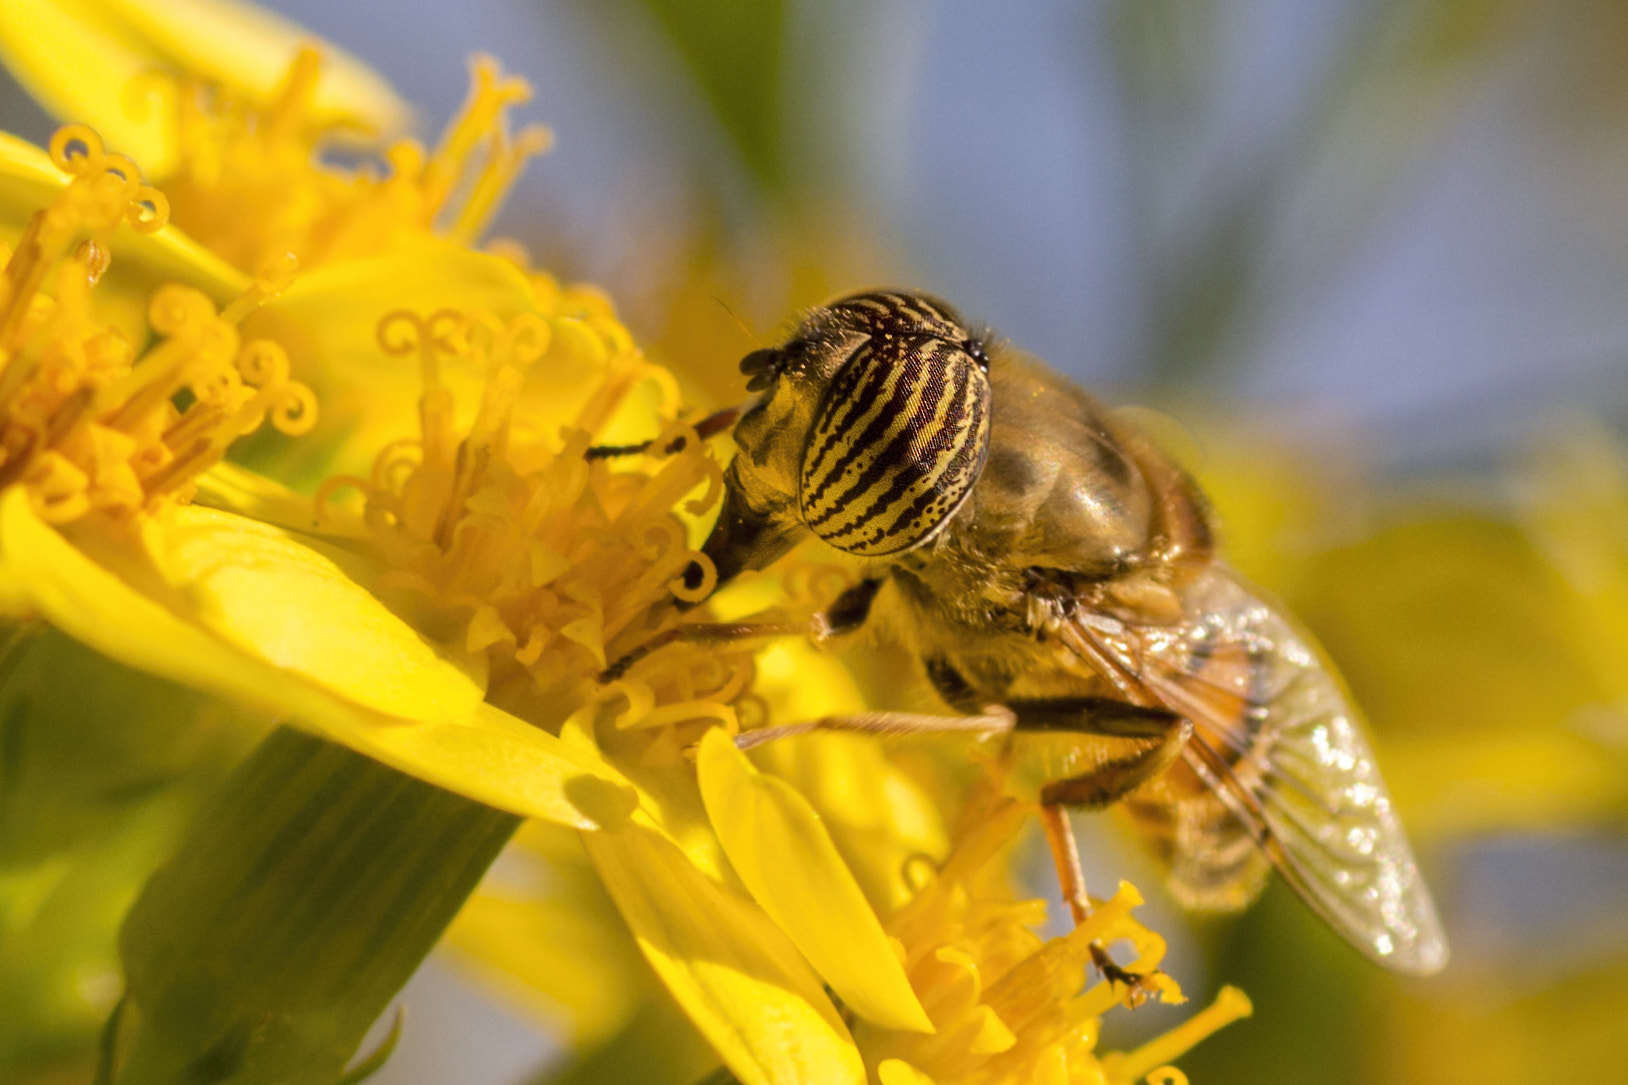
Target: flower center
{"x":557,"y":564}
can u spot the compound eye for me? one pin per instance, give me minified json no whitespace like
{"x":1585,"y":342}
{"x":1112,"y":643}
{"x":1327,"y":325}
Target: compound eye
{"x":898,"y":440}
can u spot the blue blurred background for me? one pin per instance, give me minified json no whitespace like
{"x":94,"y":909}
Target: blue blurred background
{"x":1373,"y":253}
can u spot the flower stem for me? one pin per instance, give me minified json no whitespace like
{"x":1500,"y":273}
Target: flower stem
{"x":297,"y":907}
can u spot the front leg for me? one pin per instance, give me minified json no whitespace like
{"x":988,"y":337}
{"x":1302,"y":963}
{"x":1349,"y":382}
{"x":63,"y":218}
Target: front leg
{"x":846,"y":614}
{"x":848,"y":611}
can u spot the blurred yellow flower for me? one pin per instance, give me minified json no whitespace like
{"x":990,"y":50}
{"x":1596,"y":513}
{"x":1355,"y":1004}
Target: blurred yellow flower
{"x":110,"y":62}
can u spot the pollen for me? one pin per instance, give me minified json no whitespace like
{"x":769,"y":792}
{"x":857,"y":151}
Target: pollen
{"x":91,"y":422}
{"x":555,"y":564}
{"x":1007,"y":1004}
{"x":257,"y":181}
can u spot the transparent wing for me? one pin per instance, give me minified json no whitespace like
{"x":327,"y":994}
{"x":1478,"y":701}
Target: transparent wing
{"x":1278,"y":743}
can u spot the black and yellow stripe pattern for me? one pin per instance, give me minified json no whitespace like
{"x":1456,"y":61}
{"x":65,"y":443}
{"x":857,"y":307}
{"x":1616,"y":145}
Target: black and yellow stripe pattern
{"x":890,"y":313}
{"x":901,"y":433}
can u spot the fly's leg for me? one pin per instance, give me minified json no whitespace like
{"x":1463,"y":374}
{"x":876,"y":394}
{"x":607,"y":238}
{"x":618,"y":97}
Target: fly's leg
{"x":1065,"y":855}
{"x":994,"y":720}
{"x":702,"y":632}
{"x":1096,"y":789}
{"x":1081,"y":715}
{"x":709,"y":426}
{"x":846,"y":614}
{"x":1114,"y":779}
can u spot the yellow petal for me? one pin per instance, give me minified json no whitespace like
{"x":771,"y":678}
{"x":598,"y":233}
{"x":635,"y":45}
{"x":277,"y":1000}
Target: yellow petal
{"x":78,"y":63}
{"x":277,"y":598}
{"x":236,"y":489}
{"x":488,"y":755}
{"x":343,"y":302}
{"x":79,"y":58}
{"x":668,"y":797}
{"x":800,"y":682}
{"x":780,"y":849}
{"x":497,"y":759}
{"x":877,"y":814}
{"x":738,"y":978}
{"x":247,"y":47}
{"x":26,"y":173}
{"x":899,"y":1072}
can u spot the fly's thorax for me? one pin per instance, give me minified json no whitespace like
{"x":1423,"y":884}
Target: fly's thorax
{"x":1060,"y":488}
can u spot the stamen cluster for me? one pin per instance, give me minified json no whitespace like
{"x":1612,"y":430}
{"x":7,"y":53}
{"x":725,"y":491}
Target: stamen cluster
{"x":89,"y":420}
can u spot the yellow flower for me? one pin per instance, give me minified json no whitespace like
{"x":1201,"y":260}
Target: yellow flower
{"x":1007,"y":1005}
{"x":124,"y":55}
{"x":448,"y":602}
{"x":1004,"y":1003}
{"x":96,"y":532}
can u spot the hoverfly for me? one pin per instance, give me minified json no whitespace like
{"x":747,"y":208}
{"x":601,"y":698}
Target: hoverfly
{"x":1058,"y":575}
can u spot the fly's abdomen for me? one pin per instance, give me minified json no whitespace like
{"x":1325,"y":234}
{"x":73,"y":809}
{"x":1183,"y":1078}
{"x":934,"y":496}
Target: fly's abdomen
{"x":898,"y":440}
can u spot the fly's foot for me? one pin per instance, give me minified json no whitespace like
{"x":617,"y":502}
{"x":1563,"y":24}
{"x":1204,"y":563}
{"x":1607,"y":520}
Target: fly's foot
{"x":1140,"y":987}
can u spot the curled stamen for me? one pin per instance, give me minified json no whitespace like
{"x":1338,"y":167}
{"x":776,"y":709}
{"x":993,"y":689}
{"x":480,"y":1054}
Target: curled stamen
{"x":149,"y":210}
{"x":294,"y":411}
{"x":699,"y":579}
{"x":76,"y":149}
{"x":1166,"y":1075}
{"x":263,"y":363}
{"x":85,"y":426}
{"x":525,"y":339}
{"x":333,"y":485}
{"x":530,"y":543}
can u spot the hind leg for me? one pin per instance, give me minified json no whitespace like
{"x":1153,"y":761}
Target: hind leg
{"x":1095,"y":790}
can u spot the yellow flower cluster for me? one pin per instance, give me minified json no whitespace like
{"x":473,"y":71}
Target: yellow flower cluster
{"x":236,"y":154}
{"x":1007,"y":1005}
{"x":87,"y":425}
{"x":556,"y":559}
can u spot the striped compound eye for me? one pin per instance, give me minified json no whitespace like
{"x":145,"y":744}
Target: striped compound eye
{"x":898,"y":440}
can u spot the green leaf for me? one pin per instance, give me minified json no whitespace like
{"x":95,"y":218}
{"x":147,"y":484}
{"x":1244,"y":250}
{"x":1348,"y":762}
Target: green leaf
{"x":101,"y":769}
{"x":735,"y":49}
{"x":300,"y":903}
